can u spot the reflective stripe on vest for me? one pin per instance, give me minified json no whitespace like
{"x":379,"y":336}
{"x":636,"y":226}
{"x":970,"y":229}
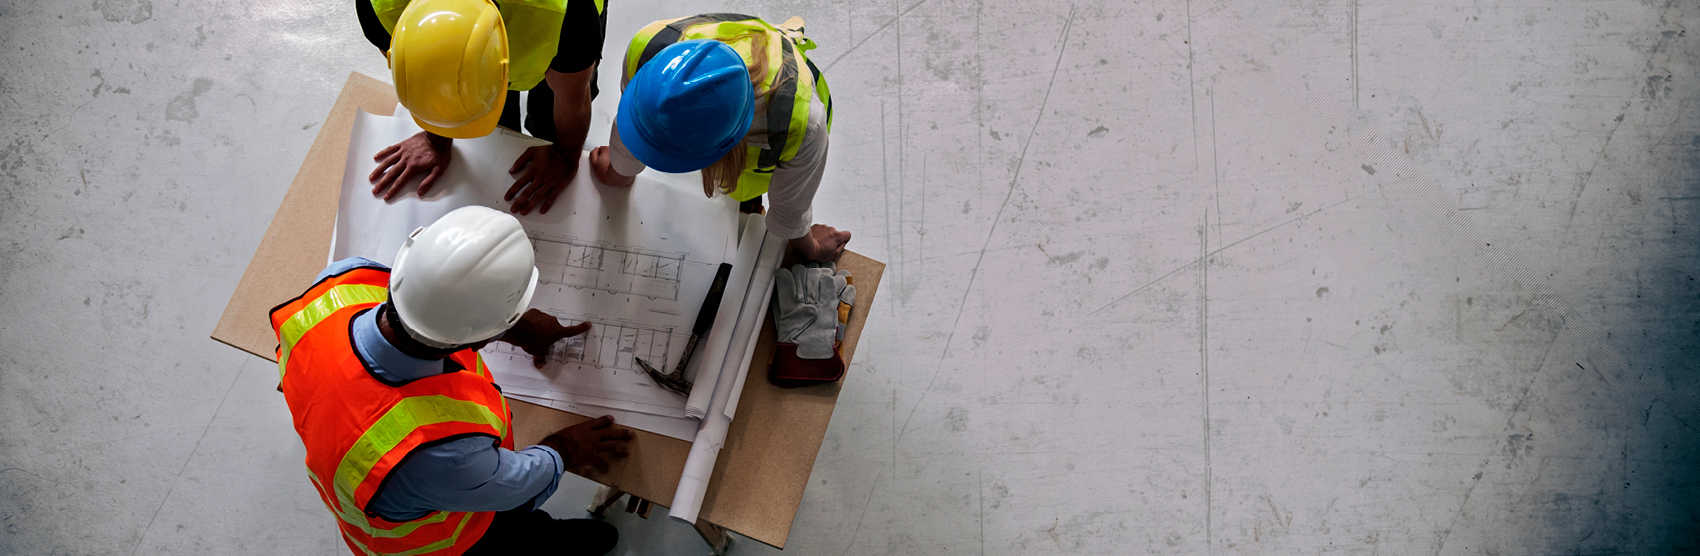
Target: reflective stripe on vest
{"x":336,"y":299}
{"x":357,"y":429}
{"x":787,"y":104}
{"x":533,"y":28}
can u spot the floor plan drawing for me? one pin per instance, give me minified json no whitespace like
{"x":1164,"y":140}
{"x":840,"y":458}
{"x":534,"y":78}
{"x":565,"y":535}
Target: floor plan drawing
{"x":611,"y":344}
{"x":609,"y":267}
{"x":635,"y":262}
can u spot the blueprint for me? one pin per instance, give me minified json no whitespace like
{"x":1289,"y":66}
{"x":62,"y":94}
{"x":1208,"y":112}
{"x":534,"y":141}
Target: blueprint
{"x":634,"y":262}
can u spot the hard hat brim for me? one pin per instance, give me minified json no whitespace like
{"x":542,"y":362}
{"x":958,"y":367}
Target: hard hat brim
{"x":474,"y":129}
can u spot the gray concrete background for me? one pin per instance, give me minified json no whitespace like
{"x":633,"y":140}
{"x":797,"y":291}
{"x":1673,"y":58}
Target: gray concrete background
{"x":1325,"y":276}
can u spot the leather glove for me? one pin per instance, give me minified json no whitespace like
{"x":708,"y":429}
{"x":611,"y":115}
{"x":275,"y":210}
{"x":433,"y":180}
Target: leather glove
{"x":811,"y":305}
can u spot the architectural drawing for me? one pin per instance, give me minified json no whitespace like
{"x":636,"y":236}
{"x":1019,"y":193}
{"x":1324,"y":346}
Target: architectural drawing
{"x":638,"y":272}
{"x":610,"y":344}
{"x":609,"y":267}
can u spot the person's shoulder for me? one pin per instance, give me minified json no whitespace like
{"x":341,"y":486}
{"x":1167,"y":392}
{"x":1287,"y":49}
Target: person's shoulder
{"x":349,"y":264}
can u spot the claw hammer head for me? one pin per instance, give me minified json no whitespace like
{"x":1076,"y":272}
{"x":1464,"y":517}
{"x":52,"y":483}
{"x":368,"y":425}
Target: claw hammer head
{"x":674,"y":381}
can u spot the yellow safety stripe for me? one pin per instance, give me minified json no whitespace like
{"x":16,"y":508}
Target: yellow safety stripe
{"x":338,"y":298}
{"x":389,"y":431}
{"x":433,"y":547}
{"x":354,"y":516}
{"x":439,"y":545}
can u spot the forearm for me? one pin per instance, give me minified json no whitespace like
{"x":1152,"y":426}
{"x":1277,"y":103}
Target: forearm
{"x":620,"y":159}
{"x":572,"y":118}
{"x":469,"y":474}
{"x":525,"y":477}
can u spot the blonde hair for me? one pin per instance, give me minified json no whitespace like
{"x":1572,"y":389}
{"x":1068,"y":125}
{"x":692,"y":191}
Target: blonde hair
{"x":723,"y":174}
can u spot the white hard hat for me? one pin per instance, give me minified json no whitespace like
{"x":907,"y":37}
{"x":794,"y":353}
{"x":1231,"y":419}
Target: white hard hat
{"x":464,"y":279}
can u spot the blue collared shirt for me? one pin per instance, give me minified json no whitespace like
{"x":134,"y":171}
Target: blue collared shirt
{"x":463,"y":475}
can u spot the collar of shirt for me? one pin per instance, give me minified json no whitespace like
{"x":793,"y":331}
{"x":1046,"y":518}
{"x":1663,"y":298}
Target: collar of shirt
{"x":383,"y":358}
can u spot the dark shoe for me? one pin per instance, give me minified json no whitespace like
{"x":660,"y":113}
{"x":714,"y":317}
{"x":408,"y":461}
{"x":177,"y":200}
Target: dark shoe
{"x":586,"y":537}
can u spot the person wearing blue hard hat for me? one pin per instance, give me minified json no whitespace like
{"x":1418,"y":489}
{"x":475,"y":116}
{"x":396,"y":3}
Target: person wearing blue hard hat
{"x":734,"y":97}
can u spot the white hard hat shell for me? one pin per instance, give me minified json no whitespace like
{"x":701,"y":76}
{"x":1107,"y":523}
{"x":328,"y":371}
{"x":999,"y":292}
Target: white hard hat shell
{"x":465,"y":278}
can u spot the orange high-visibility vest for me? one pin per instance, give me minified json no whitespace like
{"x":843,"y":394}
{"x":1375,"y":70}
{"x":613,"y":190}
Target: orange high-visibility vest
{"x":357,"y":428}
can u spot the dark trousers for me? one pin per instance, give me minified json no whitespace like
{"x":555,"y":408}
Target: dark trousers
{"x":534,"y":532}
{"x":539,"y":110}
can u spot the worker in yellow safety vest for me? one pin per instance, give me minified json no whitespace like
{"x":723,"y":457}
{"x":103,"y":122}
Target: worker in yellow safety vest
{"x":733,"y":96}
{"x":459,"y":66}
{"x":409,"y":442}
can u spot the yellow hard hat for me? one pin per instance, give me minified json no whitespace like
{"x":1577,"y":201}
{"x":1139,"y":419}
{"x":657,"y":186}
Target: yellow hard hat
{"x":450,"y":63}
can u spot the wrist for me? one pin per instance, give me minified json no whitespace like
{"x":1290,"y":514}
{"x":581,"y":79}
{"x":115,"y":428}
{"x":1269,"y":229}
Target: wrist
{"x":806,"y":245}
{"x":559,"y":444}
{"x":438,"y":140}
{"x":562,"y":153}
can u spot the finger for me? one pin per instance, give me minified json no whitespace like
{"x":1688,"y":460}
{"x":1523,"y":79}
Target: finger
{"x":384,"y":184}
{"x":524,"y":158}
{"x":576,"y":329}
{"x":523,"y":201}
{"x":518,"y":192}
{"x":383,"y":166}
{"x":387,"y":151}
{"x":620,"y":452}
{"x":549,"y":200}
{"x":618,"y":433}
{"x":401,"y":182}
{"x":602,"y":422}
{"x":601,"y":466}
{"x":430,"y":179}
{"x":519,"y":185}
{"x":532,"y":196}
{"x":537,"y":361}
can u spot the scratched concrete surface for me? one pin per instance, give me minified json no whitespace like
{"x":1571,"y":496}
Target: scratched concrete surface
{"x":1178,"y":277}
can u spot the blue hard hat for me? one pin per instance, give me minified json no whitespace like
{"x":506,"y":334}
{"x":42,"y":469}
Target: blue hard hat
{"x":687,"y":107}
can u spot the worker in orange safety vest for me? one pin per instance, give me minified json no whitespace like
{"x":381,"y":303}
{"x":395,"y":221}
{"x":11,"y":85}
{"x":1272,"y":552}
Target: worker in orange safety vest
{"x":409,"y":440}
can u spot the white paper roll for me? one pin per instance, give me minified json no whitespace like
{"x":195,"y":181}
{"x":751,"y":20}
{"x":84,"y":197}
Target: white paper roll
{"x":756,"y":301}
{"x":711,"y":351}
{"x":734,"y":365}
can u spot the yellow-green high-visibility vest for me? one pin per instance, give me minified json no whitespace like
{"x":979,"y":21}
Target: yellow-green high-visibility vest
{"x":533,"y":28}
{"x":787,"y":104}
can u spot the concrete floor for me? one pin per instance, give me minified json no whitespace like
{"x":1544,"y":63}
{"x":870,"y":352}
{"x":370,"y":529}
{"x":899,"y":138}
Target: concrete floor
{"x":1164,"y":277}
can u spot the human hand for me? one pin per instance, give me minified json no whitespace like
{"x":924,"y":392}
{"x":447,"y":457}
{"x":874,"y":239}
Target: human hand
{"x":543,"y":174}
{"x":581,"y":446}
{"x":536,"y":331}
{"x":603,"y":169}
{"x":423,"y":154}
{"x":823,"y":244}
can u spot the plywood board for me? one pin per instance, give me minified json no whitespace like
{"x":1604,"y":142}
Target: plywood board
{"x":299,"y":238}
{"x":759,"y":479}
